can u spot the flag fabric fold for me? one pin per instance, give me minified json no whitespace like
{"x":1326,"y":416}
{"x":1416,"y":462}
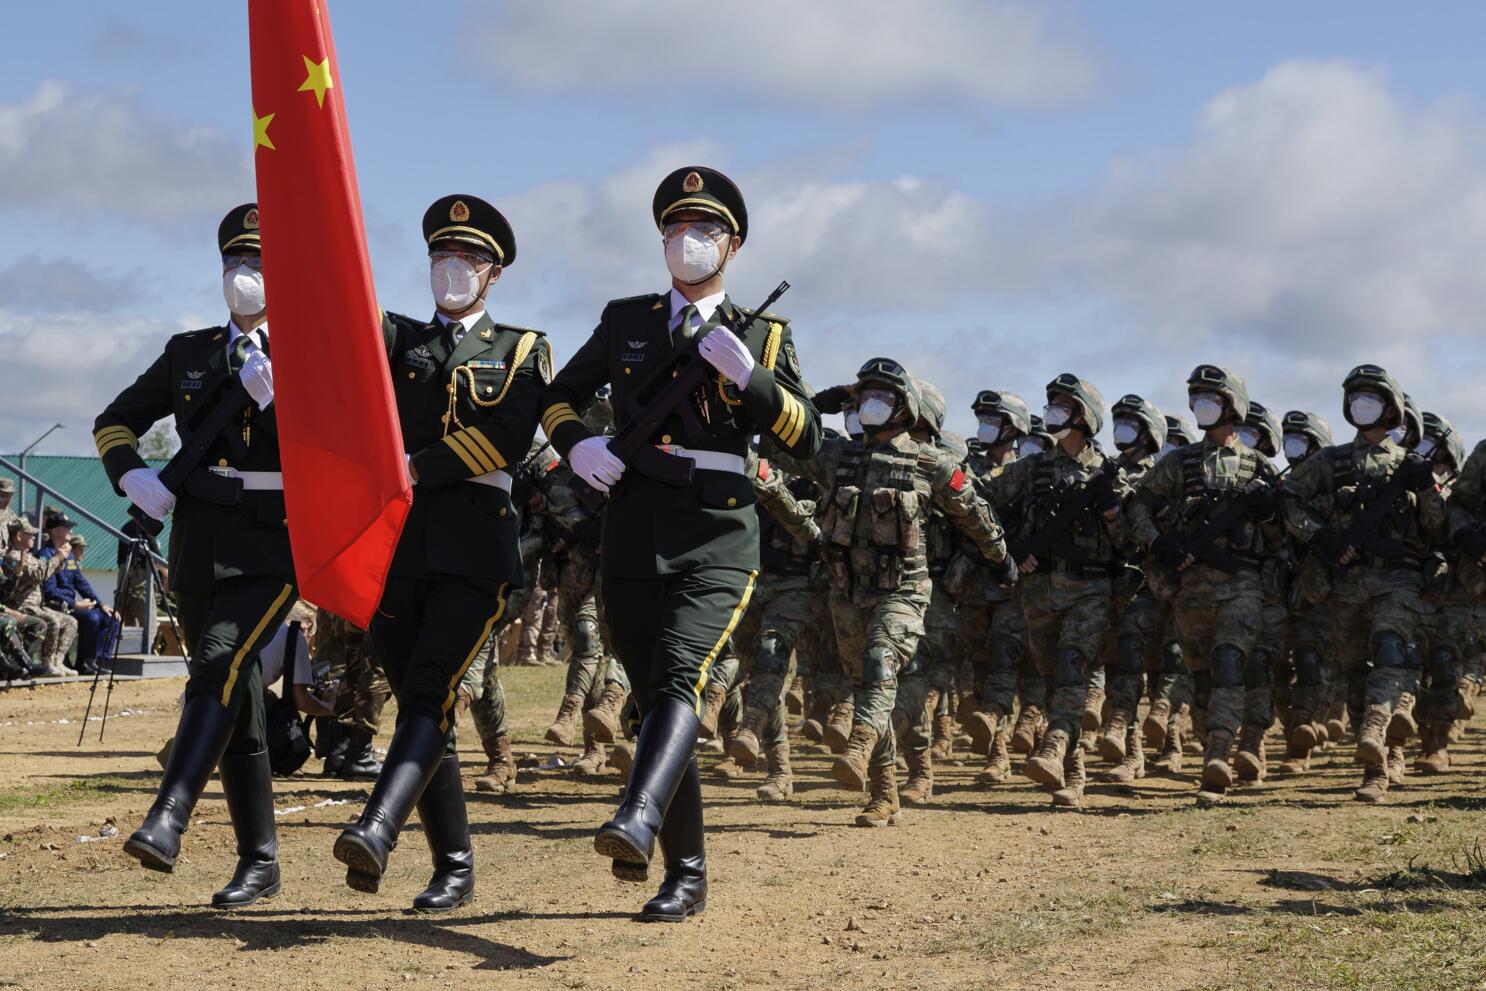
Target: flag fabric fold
{"x":346,"y":483}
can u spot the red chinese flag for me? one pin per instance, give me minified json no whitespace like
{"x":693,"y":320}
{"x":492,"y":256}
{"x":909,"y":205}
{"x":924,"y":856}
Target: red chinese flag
{"x":345,"y":477}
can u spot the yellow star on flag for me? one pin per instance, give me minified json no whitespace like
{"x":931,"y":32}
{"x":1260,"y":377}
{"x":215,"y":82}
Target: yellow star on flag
{"x":317,"y":78}
{"x":260,"y":131}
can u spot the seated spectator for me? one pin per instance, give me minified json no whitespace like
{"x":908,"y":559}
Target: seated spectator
{"x":69,"y":590}
{"x":24,"y":574}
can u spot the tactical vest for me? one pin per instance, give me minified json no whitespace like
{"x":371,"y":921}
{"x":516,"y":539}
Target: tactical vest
{"x":873,"y":528}
{"x":779,"y":552}
{"x":1348,"y":487}
{"x":1088,"y":531}
{"x":1199,"y":502}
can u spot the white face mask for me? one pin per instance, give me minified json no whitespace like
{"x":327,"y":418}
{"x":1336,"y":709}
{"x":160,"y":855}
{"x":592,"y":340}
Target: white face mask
{"x":875,"y":412}
{"x":1208,"y":409}
{"x":1249,"y":436}
{"x":1126,"y":433}
{"x":242,"y":288}
{"x":1028,"y":446}
{"x":455,"y":284}
{"x":1297,"y":446}
{"x":989,"y":431}
{"x":1365,"y":409}
{"x":693,"y":258}
{"x":1426,"y":447}
{"x":1055,"y":416}
{"x":853,"y":423}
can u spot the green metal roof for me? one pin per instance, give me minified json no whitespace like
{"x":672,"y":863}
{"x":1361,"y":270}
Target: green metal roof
{"x":83,"y":481}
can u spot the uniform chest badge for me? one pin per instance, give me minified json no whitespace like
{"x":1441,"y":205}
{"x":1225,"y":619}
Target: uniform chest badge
{"x":498,"y":366}
{"x":420,"y":359}
{"x":192,"y":380}
{"x":632,"y":357}
{"x":637,"y":345}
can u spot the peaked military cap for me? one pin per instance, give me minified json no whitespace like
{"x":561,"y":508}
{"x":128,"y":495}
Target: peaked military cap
{"x":469,"y":219}
{"x":238,"y":231}
{"x":6,"y":485}
{"x":696,"y":187}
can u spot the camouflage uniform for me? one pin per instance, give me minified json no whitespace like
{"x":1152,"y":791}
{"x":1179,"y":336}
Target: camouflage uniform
{"x":23,"y":583}
{"x":1375,"y":602}
{"x":878,"y":495}
{"x":776,"y":624}
{"x":352,"y":661}
{"x":1218,"y":614}
{"x":1066,"y":600}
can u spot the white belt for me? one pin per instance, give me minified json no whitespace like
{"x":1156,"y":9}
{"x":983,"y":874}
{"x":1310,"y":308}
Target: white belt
{"x":256,"y":481}
{"x":499,"y":479}
{"x":709,"y":460}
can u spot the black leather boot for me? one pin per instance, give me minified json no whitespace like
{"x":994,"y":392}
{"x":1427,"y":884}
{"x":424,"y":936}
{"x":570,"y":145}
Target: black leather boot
{"x":684,"y":891}
{"x":668,"y":738}
{"x":247,"y":781}
{"x":200,"y":738}
{"x":417,"y":747}
{"x":335,"y":754}
{"x":447,"y":830}
{"x":358,"y":761}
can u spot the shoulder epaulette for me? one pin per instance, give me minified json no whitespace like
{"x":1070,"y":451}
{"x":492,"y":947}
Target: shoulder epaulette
{"x":405,"y":320}
{"x":650,"y":297}
{"x":766,"y":315}
{"x":519,"y":330}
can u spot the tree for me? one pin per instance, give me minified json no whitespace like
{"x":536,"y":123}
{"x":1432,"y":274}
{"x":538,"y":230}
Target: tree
{"x":159,"y":443}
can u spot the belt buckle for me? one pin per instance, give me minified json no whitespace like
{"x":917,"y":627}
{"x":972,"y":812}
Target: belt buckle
{"x":226,"y":472}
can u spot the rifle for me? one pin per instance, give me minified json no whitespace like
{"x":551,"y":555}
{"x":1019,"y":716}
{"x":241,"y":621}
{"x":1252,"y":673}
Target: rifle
{"x":1362,"y":533}
{"x":1204,"y":546}
{"x":670,"y":390}
{"x":1072,"y":506}
{"x":234,"y":400}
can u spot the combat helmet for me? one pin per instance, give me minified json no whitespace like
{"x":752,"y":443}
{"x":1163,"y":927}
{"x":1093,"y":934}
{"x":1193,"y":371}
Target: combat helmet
{"x":1089,"y":400}
{"x":1440,"y":434}
{"x":1413,"y":424}
{"x":1226,"y":383}
{"x":1312,"y":425}
{"x":1376,"y":379}
{"x":890,"y":373}
{"x":1263,"y":421}
{"x":1007,"y":405}
{"x":1146,"y":413}
{"x":952,"y":442}
{"x":932,"y":407}
{"x":1179,"y":431}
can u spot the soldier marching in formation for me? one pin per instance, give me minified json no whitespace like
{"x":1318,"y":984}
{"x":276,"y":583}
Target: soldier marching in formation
{"x":716,"y":561}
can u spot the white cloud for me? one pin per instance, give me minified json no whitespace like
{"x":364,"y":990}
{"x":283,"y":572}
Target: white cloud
{"x":830,"y":52}
{"x":78,"y":154}
{"x":64,"y":368}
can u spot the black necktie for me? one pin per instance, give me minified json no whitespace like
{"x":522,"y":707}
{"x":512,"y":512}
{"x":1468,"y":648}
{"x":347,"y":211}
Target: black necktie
{"x":239,"y":353}
{"x":456,"y":332}
{"x":684,"y":329}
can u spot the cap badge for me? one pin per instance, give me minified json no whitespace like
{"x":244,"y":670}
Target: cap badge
{"x":692,"y":183}
{"x":459,"y":213}
{"x":250,"y":219}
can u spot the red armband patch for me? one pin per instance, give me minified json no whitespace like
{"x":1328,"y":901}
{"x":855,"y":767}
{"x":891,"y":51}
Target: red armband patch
{"x":763,"y":470}
{"x":552,"y":464}
{"x":957,"y":480}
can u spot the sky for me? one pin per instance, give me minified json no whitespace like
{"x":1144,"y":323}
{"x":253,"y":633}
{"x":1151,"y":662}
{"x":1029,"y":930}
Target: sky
{"x":991,"y":192}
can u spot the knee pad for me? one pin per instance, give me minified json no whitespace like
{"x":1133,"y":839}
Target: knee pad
{"x":1442,"y":666}
{"x":1068,"y":668}
{"x":586,"y":638}
{"x":1129,"y":656}
{"x":878,"y":665}
{"x":773,"y":654}
{"x":1256,"y":669}
{"x":1227,"y":667}
{"x":1308,"y":667}
{"x":1389,"y":650}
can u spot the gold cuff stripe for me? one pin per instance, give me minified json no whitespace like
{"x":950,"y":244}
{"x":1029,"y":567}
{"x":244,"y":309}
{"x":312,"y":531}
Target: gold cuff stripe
{"x":117,"y":442}
{"x":478,"y":436}
{"x":500,"y":610}
{"x":248,"y":644}
{"x":111,"y":437}
{"x":565,"y":418}
{"x":473,"y":459}
{"x":791,"y":422}
{"x":481,"y":235}
{"x":556,"y":414}
{"x":727,"y":632}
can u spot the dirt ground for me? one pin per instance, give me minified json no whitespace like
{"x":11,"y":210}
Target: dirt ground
{"x":1292,"y":885}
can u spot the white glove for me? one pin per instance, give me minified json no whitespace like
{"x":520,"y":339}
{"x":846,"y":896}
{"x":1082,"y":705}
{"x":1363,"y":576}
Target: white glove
{"x":257,"y":378}
{"x":730,"y":356}
{"x":592,"y":462}
{"x":411,"y":477}
{"x":145,"y":490}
